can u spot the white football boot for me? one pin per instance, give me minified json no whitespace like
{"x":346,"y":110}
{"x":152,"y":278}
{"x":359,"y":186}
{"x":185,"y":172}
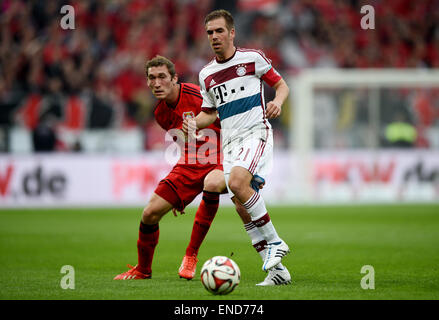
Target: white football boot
{"x":275,"y":251}
{"x":277,"y":276}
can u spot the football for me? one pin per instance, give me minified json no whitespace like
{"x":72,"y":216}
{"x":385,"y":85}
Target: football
{"x":220,"y":275}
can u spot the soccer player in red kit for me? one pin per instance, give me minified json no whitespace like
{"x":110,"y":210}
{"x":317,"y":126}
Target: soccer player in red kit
{"x":189,"y":177}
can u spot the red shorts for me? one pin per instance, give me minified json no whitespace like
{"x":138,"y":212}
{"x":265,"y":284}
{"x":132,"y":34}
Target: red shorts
{"x":184,"y":183}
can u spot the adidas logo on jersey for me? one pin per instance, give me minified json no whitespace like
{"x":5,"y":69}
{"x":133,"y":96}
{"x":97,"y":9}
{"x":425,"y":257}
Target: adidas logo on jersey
{"x":212,"y":83}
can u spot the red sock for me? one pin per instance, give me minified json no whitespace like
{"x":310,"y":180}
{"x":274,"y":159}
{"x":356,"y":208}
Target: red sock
{"x":203,"y":219}
{"x":148,"y":239}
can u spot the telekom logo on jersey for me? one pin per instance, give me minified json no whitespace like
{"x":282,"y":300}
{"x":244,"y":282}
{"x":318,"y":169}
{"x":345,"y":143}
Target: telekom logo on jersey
{"x":203,"y":146}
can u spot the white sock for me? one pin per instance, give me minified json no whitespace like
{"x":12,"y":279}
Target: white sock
{"x":258,"y":241}
{"x":256,"y":208}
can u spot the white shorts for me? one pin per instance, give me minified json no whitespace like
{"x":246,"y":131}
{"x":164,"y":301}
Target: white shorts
{"x":252,"y":153}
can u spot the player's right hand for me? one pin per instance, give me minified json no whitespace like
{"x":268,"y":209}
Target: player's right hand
{"x":189,"y":127}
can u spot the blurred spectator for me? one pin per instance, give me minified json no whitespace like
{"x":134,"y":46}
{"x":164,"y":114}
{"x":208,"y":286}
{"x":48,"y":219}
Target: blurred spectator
{"x":43,"y":136}
{"x":93,"y":76}
{"x":400,"y":133}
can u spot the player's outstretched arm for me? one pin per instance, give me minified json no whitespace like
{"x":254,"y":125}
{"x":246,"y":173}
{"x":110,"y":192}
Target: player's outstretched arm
{"x":201,"y":121}
{"x":274,"y":107}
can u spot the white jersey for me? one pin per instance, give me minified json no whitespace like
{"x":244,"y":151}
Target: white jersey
{"x":234,"y":87}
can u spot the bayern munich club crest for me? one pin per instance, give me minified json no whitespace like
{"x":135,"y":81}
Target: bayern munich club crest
{"x":241,"y":71}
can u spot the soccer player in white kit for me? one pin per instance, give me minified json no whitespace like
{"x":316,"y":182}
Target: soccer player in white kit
{"x":232,"y":88}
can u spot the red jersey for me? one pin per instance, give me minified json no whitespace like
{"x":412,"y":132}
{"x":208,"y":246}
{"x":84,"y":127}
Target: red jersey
{"x":207,"y":148}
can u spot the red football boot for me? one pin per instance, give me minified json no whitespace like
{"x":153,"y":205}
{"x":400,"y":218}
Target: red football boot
{"x":188,"y":267}
{"x":132,"y":274}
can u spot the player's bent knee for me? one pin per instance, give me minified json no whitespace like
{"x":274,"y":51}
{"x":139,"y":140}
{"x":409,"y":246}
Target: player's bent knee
{"x":215,"y":182}
{"x":150,"y":216}
{"x":214,"y":185}
{"x":156,"y":208}
{"x":236,"y":185}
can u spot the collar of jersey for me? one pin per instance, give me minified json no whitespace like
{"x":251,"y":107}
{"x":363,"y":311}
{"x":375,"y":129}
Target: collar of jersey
{"x":174,"y":105}
{"x":224,"y":61}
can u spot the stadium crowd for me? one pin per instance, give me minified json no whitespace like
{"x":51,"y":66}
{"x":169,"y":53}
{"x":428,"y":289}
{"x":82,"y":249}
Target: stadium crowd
{"x":93,"y":76}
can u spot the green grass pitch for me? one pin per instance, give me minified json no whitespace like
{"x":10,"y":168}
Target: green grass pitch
{"x":329,"y":247}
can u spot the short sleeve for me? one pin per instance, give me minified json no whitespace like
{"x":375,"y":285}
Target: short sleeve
{"x":262,"y":63}
{"x":265,"y":70}
{"x":208,"y":102}
{"x":271,"y":77}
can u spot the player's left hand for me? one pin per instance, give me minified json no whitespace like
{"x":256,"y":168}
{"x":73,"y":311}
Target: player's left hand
{"x":273,"y":110}
{"x":174,"y":211}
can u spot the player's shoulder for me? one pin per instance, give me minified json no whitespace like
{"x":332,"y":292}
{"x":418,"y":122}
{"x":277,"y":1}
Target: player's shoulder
{"x":191,"y":90}
{"x":257,"y":54}
{"x":205,"y":69}
{"x":190,"y":86}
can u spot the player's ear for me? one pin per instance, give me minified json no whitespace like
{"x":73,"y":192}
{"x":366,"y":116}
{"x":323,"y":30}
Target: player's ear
{"x":175,"y":79}
{"x":232,"y":33}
